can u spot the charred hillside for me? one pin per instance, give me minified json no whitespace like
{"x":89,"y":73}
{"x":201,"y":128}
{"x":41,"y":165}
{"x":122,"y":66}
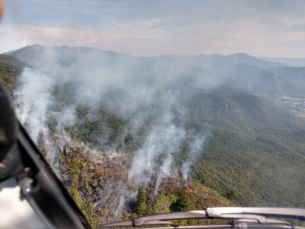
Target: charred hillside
{"x":100,"y":186}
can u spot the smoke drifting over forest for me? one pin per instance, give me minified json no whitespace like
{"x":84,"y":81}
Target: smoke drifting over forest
{"x":142,"y":91}
{"x":209,"y":118}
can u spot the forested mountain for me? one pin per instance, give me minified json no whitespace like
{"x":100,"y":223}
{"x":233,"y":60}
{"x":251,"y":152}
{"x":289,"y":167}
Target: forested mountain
{"x":230,"y":123}
{"x":10,"y":68}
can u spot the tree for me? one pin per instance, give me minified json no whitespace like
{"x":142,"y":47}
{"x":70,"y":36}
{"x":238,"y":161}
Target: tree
{"x":182,"y":202}
{"x":141,"y":202}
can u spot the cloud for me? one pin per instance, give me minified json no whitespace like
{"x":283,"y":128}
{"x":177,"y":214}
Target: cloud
{"x":11,"y":39}
{"x":269,"y":28}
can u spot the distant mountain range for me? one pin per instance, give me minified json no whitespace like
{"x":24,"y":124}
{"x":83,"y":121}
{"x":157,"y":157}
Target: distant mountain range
{"x":27,"y":54}
{"x":239,"y":70}
{"x":292,"y":62}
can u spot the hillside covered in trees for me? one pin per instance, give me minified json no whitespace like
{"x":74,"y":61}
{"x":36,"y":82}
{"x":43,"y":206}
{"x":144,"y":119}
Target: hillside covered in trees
{"x":227,"y":143}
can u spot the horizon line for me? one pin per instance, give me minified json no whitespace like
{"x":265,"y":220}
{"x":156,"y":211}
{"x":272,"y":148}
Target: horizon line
{"x":201,"y":54}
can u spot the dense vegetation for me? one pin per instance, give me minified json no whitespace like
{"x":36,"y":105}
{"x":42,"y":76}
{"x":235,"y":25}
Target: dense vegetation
{"x":10,"y":67}
{"x":256,"y":152}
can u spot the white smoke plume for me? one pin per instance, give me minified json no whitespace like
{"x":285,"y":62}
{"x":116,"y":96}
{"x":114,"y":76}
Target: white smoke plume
{"x":162,"y":142}
{"x":32,"y":100}
{"x":196,"y":150}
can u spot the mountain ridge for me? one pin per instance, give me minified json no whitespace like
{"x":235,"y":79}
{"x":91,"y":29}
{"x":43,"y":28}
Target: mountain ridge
{"x":239,"y":57}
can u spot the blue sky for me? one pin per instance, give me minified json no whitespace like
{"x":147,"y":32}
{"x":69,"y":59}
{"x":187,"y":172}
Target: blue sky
{"x":273,"y":28}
